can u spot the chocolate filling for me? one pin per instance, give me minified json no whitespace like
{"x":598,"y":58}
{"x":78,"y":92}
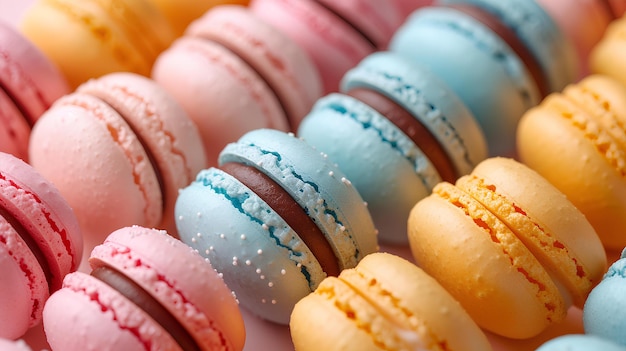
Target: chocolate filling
{"x":289,"y":210}
{"x":153,"y":162}
{"x":412,"y":127}
{"x":514,"y":42}
{"x":32,"y":245}
{"x":142,"y":299}
{"x":349,"y":23}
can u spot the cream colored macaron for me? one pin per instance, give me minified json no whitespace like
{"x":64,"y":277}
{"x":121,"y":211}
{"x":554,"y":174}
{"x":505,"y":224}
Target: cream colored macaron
{"x":384,"y":303}
{"x":508,"y":245}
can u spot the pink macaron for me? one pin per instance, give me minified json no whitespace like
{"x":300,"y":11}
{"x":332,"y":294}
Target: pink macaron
{"x":29,"y":84}
{"x":146,"y":291}
{"x":336,"y":34}
{"x":9,"y":345}
{"x":40,"y":242}
{"x":118,"y":149}
{"x":233,"y":73}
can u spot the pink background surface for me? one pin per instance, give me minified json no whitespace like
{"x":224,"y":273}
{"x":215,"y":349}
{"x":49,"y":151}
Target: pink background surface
{"x":263,"y":335}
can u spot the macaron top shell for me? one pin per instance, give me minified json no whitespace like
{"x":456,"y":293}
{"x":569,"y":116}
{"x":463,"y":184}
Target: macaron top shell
{"x":579,"y":342}
{"x":428,"y":99}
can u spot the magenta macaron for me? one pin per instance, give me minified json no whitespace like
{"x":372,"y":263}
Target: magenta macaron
{"x":40,"y":242}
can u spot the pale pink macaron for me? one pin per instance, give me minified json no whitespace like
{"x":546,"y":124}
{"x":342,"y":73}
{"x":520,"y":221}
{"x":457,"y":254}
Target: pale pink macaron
{"x":147,"y":291}
{"x":118,"y":149}
{"x":336,"y":34}
{"x":584,"y":22}
{"x":29,"y":84}
{"x":233,"y":73}
{"x":40,"y":242}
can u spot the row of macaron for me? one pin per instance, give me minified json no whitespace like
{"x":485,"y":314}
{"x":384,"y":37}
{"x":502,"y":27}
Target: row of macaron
{"x":148,"y":111}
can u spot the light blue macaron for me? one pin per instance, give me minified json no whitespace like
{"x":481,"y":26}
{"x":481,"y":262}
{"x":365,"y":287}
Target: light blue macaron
{"x":482,"y":68}
{"x":387,"y":167}
{"x":580,"y":342}
{"x":604,"y":313}
{"x":262,"y":258}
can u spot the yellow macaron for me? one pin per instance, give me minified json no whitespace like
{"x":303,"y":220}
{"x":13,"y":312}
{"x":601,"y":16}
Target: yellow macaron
{"x":576,"y":139}
{"x":90,"y":38}
{"x":508,"y":245}
{"x":384,"y":303}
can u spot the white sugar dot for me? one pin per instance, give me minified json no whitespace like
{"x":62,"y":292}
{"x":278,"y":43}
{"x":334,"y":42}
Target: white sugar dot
{"x":258,"y":271}
{"x":193,"y":240}
{"x":222,"y":236}
{"x":265,"y":226}
{"x":299,"y":265}
{"x":180,"y":218}
{"x":221,"y":275}
{"x":331,"y":173}
{"x":243,"y":237}
{"x":270,"y":284}
{"x":262,"y":277}
{"x":291,"y":134}
{"x":207,"y":251}
{"x":283,"y":271}
{"x":273,"y":302}
{"x":345,"y":181}
{"x":199,"y":214}
{"x":248,"y":262}
{"x":259,"y":251}
{"x":211,"y":248}
{"x":199,"y":235}
{"x":365,"y":203}
{"x":263,"y":301}
{"x":342,"y":228}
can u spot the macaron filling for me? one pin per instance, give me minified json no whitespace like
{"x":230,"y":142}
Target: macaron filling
{"x":144,"y":300}
{"x":288,"y":209}
{"x":509,"y":36}
{"x":352,"y":25}
{"x":411,"y":127}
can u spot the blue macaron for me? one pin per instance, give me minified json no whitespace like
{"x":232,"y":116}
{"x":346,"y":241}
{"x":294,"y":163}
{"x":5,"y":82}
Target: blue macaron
{"x":580,"y":342}
{"x":275,"y":218}
{"x":395,"y":130}
{"x":500,"y":57}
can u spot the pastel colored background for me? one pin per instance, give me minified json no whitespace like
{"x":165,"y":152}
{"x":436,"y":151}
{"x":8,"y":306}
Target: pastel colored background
{"x":262,"y":335}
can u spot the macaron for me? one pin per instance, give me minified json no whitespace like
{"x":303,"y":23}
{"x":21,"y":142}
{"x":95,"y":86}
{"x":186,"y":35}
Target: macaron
{"x":579,"y":342}
{"x":90,"y":38}
{"x":576,"y":139}
{"x":29,"y":83}
{"x":499,"y":57}
{"x":336,"y":34}
{"x":240,"y":74}
{"x":608,"y":55}
{"x":146,"y":291}
{"x":384,"y":303}
{"x":118,"y":149}
{"x":583,"y":22}
{"x":181,"y":13}
{"x":396,"y":130}
{"x":604,"y":311}
{"x":10,"y":345}
{"x":509,"y":246}
{"x":275,"y":219}
{"x":40,"y":242}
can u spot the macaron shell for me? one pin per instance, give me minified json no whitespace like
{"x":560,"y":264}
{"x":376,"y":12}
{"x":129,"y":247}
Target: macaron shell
{"x":281,"y":62}
{"x":9,"y":345}
{"x":235,"y":100}
{"x":162,"y":125}
{"x":112,"y":186}
{"x":179,"y":278}
{"x":100,"y":318}
{"x":573,"y":252}
{"x":503,"y":88}
{"x":126,"y":36}
{"x":487,"y":268}
{"x":334,"y":46}
{"x":22,"y":294}
{"x":575,"y":166}
{"x":579,"y":342}
{"x":261,"y":258}
{"x":343,"y":128}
